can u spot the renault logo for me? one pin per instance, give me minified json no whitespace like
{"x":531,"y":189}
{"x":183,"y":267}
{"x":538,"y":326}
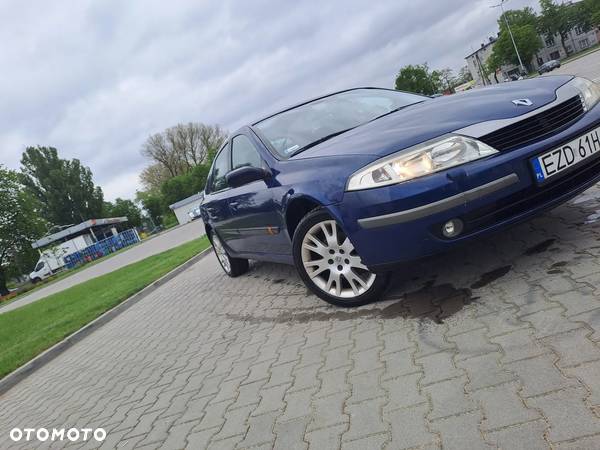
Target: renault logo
{"x":522,"y":102}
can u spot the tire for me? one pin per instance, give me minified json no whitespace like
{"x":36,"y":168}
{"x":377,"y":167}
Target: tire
{"x":338,"y":277}
{"x":36,"y":280}
{"x":234,"y":267}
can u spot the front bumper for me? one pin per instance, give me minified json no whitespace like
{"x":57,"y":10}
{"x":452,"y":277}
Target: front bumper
{"x":440,"y":206}
{"x":399,"y":223}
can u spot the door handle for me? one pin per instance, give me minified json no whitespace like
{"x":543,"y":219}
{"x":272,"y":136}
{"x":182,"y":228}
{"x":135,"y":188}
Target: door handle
{"x":234,"y":205}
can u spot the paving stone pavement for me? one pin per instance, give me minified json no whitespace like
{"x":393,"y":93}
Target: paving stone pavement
{"x":496,"y":345}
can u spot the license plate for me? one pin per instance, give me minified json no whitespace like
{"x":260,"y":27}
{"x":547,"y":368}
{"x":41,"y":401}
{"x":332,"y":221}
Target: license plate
{"x":558,"y":160}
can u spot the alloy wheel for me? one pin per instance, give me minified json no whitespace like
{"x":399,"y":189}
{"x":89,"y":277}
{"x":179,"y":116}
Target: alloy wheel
{"x":332,"y":263}
{"x":221,"y":253}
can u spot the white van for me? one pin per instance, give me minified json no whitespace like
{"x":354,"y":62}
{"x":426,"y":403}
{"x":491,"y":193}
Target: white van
{"x":43,"y":269}
{"x":52,"y":260}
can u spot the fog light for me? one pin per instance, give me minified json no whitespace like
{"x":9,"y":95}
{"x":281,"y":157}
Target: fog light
{"x":452,"y":228}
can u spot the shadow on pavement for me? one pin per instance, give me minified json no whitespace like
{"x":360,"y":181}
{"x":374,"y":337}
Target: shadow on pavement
{"x":434,"y":289}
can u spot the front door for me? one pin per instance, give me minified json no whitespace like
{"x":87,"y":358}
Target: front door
{"x":256,"y":224}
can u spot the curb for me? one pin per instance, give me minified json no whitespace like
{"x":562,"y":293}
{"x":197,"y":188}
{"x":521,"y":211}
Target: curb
{"x":48,"y":355}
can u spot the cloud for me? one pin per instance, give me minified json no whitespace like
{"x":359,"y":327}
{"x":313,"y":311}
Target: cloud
{"x":95,"y":78}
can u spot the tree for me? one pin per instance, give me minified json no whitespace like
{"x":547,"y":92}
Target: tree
{"x":523,"y":26}
{"x":20,"y":224}
{"x":198,"y":177}
{"x":581,"y":15}
{"x":152,"y":204}
{"x":591,"y":10}
{"x":180,"y":148}
{"x":556,"y":19}
{"x":591,"y":5}
{"x":175,"y":189}
{"x":183,"y":186}
{"x":153,"y":176}
{"x":124,"y":208}
{"x":464,"y":75}
{"x":519,"y":18}
{"x":447,"y":80}
{"x":65,"y":189}
{"x":418,"y":79}
{"x":495,"y":62}
{"x":156,"y":202}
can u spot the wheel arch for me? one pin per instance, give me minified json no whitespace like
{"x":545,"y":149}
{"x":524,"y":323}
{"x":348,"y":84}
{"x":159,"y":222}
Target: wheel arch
{"x":296,"y":208}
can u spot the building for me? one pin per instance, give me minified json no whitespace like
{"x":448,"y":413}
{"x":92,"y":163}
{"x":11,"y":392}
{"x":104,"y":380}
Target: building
{"x":77,"y":244}
{"x":183,"y":208}
{"x":577,"y":41}
{"x":92,"y":230}
{"x":477,"y":60}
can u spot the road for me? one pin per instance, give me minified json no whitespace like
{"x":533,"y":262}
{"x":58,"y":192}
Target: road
{"x":587,"y":66}
{"x":495,"y":345}
{"x":158,"y":244}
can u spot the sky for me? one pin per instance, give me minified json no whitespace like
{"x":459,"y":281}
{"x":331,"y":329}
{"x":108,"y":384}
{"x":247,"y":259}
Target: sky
{"x":95,"y":78}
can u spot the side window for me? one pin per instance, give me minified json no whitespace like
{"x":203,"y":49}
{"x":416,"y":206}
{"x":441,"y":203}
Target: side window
{"x":219,"y":170}
{"x":244,"y":153}
{"x":40,"y":266}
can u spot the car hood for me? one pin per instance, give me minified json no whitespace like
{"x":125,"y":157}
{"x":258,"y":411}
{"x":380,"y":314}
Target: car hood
{"x":436,"y":117}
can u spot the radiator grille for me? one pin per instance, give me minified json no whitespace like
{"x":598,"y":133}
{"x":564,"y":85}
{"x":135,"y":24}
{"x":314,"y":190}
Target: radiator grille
{"x":536,"y":127}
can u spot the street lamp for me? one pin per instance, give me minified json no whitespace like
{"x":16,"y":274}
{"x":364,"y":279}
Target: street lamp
{"x":501,"y":6}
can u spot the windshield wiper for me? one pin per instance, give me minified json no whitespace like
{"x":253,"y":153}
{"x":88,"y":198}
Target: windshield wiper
{"x":395,"y":110}
{"x":318,"y":141}
{"x":337,"y":133}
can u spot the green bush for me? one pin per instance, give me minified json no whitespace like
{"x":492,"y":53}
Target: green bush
{"x":169,"y":220}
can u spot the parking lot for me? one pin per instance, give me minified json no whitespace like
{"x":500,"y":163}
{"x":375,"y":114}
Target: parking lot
{"x":495,"y":345}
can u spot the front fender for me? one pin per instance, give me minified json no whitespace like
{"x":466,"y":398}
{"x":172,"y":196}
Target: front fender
{"x":320,"y":179}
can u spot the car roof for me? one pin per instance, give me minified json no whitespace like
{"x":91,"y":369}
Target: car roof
{"x":289,"y":108}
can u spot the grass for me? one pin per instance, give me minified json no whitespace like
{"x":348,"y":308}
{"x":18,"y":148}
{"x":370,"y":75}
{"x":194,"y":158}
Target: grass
{"x":31,"y":329}
{"x":29,"y":287}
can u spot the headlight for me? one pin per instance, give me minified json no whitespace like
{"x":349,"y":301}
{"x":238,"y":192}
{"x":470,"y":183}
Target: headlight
{"x":423,"y":159}
{"x":590,"y":91}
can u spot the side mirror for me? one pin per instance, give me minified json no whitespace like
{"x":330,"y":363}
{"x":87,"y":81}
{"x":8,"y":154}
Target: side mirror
{"x":245,"y":175}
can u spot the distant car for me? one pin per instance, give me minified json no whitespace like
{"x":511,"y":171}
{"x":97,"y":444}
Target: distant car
{"x":348,"y":185}
{"x":515,"y":77}
{"x":549,"y":66}
{"x":157,"y":229}
{"x":194,"y":213}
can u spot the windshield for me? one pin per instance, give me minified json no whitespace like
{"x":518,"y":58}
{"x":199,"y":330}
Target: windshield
{"x":292,"y":131}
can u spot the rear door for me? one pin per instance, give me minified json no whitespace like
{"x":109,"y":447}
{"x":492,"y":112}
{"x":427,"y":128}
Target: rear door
{"x":216,"y":201}
{"x":256,"y":223}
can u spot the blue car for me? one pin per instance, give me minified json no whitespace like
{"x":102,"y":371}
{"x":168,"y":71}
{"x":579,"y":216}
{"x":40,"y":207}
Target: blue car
{"x":348,"y":186}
